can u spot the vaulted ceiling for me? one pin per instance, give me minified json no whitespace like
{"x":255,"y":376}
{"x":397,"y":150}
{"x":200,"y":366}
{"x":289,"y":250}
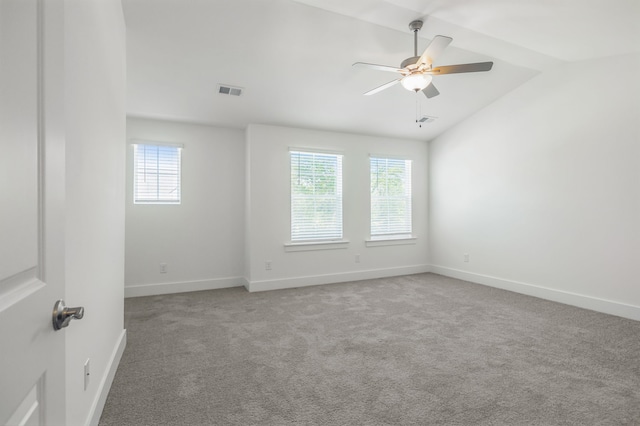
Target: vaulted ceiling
{"x":294,"y":57}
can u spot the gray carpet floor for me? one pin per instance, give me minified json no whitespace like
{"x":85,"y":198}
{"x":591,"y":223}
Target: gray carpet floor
{"x":413,"y":350}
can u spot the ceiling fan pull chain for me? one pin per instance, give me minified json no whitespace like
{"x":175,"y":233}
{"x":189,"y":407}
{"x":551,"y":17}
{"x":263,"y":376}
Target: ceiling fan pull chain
{"x":417,"y":112}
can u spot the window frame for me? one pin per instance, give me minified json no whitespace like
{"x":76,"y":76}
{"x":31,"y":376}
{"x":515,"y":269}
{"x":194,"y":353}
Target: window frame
{"x":392,"y":238}
{"x":140,"y":198}
{"x":317,"y":242}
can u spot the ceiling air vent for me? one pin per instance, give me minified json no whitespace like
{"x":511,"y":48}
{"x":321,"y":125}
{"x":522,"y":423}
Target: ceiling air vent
{"x":426,"y":119}
{"x":225,"y":89}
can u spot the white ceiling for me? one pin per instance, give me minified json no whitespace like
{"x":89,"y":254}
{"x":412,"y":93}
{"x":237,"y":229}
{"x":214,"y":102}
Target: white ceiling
{"x":294,"y":57}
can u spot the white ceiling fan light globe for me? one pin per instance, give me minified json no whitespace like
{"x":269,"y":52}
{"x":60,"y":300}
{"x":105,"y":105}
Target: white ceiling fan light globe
{"x":416,"y":82}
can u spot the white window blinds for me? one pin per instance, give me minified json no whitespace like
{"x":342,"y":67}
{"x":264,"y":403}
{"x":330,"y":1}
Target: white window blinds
{"x":316,"y":196}
{"x":156,"y":175}
{"x":390,"y":197}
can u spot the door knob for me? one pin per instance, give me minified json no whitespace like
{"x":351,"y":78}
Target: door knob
{"x":62,"y":315}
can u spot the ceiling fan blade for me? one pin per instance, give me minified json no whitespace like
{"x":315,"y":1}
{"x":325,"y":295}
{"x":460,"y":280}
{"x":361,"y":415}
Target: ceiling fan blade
{"x":430,"y":91}
{"x":455,"y":69}
{"x":378,"y":67}
{"x":435,"y":48}
{"x":381,"y":88}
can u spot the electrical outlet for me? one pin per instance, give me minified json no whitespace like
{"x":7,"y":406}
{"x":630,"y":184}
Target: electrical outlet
{"x":466,"y":257}
{"x":87,"y":373}
{"x":163,"y":268}
{"x":267,"y":265}
{"x":357,"y":258}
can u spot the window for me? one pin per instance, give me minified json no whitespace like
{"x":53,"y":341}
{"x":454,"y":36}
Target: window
{"x":316,"y":196}
{"x":156,"y":174}
{"x":390,"y":198}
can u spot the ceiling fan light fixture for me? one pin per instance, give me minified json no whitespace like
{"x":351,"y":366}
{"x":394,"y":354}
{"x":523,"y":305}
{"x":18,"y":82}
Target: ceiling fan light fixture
{"x":416,"y":82}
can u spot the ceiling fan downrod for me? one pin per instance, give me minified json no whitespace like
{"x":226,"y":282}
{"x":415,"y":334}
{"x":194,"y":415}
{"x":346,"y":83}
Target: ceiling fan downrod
{"x":415,"y":26}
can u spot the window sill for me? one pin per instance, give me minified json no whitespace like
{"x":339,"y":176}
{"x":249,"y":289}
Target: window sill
{"x":316,"y":245}
{"x":391,"y":241}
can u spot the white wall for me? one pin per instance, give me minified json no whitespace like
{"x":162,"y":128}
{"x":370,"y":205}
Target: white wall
{"x":95,"y":96}
{"x":542,"y":189}
{"x":268,"y":220}
{"x":202,"y":239}
{"x":235,"y":215}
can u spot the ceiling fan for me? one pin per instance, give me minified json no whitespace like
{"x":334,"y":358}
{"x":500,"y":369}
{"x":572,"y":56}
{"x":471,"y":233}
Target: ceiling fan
{"x":417,"y":71}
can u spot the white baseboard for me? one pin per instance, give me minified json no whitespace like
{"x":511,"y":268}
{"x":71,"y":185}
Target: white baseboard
{"x":282,"y":283}
{"x":105,"y":384}
{"x":568,"y":298}
{"x":137,"y":290}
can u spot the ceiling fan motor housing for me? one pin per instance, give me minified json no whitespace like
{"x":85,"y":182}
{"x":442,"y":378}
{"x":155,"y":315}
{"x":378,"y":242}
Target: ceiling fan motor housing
{"x":409,"y":61}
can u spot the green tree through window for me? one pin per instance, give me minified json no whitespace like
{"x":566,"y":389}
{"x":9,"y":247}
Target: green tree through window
{"x":316,"y":196}
{"x":390,"y":197}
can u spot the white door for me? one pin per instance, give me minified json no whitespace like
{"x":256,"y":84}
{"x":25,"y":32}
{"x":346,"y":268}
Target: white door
{"x":32,"y":379}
